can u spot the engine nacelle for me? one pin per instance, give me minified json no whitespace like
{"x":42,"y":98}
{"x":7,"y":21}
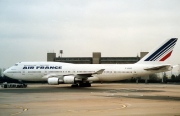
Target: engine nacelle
{"x":66,"y":80}
{"x":69,"y":79}
{"x":53,"y":81}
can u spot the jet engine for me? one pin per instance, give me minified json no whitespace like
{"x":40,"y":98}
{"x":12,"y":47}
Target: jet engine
{"x":53,"y":81}
{"x":65,"y":79}
{"x":69,"y":79}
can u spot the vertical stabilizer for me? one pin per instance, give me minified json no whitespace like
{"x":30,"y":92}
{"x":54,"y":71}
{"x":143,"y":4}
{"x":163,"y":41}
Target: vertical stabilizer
{"x":160,"y":53}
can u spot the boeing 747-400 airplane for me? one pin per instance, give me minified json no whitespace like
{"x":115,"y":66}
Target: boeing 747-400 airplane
{"x":84,"y":74}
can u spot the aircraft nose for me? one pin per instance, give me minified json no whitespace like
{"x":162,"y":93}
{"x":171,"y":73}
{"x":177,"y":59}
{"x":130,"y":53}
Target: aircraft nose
{"x":5,"y":73}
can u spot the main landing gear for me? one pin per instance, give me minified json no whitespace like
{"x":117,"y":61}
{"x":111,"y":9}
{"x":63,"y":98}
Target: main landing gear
{"x":81,"y":85}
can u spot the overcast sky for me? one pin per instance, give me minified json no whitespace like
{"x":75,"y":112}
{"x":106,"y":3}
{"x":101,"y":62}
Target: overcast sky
{"x":116,"y":28}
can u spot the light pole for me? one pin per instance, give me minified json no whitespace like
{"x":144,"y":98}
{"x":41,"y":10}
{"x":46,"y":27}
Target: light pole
{"x":61,"y":52}
{"x":179,"y":68}
{"x":162,"y":77}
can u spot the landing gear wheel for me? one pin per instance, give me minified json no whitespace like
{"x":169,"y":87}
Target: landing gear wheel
{"x":24,"y":85}
{"x":74,"y":85}
{"x":85,"y":84}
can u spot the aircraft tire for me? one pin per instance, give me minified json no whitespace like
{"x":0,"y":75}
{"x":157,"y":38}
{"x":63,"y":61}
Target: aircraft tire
{"x":74,"y":85}
{"x":85,"y":85}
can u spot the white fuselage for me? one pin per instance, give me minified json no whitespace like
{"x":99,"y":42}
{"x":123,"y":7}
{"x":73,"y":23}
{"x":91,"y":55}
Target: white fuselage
{"x":37,"y":71}
{"x":83,"y":74}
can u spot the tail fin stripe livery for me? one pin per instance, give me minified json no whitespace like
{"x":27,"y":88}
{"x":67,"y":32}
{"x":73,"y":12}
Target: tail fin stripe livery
{"x":164,"y":53}
{"x":170,"y":46}
{"x":167,"y":56}
{"x":165,"y":47}
{"x":160,"y":50}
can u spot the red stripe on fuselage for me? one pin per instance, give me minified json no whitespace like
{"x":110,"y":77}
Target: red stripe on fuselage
{"x":165,"y":57}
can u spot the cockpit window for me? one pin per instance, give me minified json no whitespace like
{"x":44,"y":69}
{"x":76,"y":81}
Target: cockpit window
{"x":16,"y":64}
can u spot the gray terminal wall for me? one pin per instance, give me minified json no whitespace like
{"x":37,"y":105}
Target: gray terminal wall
{"x":95,"y":59}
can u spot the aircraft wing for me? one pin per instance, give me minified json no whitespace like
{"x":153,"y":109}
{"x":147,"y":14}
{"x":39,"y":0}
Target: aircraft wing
{"x":86,"y":75}
{"x":80,"y":75}
{"x":161,"y":67}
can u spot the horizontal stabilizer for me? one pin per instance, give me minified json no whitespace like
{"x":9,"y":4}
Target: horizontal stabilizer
{"x":155,"y":68}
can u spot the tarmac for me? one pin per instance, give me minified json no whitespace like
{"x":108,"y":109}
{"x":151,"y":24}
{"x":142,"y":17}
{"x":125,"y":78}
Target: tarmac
{"x":109,"y":99}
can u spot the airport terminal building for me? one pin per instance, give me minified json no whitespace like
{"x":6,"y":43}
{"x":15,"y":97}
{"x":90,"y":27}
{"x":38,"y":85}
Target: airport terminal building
{"x":95,"y":59}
